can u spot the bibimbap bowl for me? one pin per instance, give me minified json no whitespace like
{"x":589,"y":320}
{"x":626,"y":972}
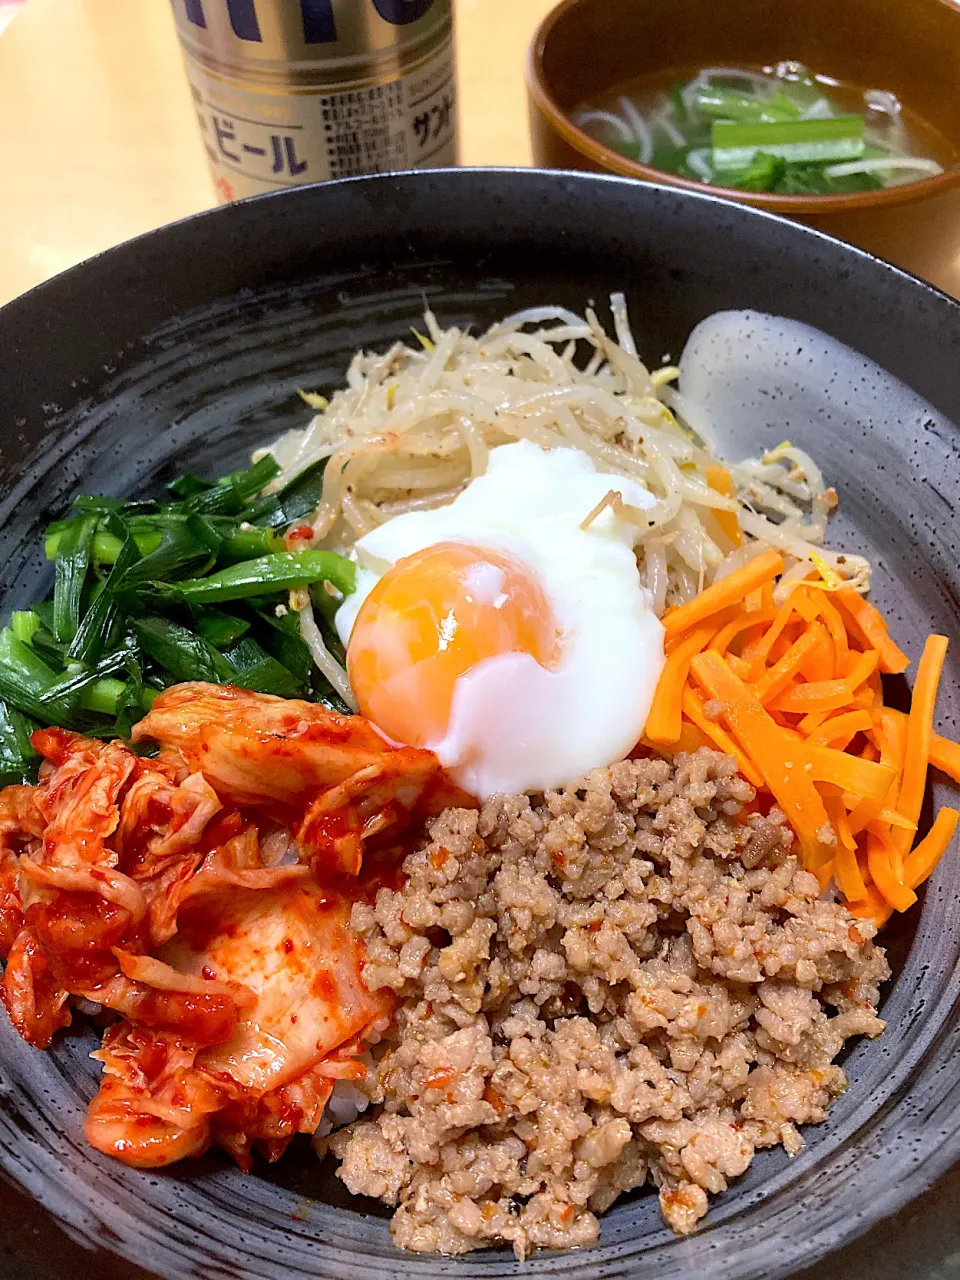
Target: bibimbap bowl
{"x":184,"y":350}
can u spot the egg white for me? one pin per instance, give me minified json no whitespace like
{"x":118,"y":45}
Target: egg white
{"x":516,"y":726}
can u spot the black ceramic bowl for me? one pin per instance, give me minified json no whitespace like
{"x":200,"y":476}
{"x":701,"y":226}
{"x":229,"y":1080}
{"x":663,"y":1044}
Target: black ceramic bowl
{"x":184,"y":349}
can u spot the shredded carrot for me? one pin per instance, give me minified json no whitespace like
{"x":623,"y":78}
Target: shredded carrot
{"x":729,"y":590}
{"x":821,"y":664}
{"x":920,"y":733}
{"x":945,"y":756}
{"x":805,"y":601}
{"x":842,"y":729}
{"x":849,"y":875}
{"x":738,"y":624}
{"x":762,"y":650}
{"x":769,"y":749}
{"x":921,"y":860}
{"x":737,"y":665}
{"x":834,"y":624}
{"x":798,"y":702}
{"x":849,"y":773}
{"x":825,"y":872}
{"x":828,"y":695}
{"x":900,"y":896}
{"x":718,"y":478}
{"x":777,"y":677}
{"x":691,"y":739}
{"x":868,"y":624}
{"x":664,"y":720}
{"x":872,"y":908}
{"x":693,"y":707}
{"x":822,"y":695}
{"x":812,"y":721}
{"x":753,"y":601}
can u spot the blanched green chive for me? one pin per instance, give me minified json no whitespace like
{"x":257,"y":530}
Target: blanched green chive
{"x":25,"y":624}
{"x":245,"y":544}
{"x":180,"y":652}
{"x":17,"y":754}
{"x":72,"y":563}
{"x":179,"y":554}
{"x":295,"y":501}
{"x":221,"y":629}
{"x":255,"y":669}
{"x":70,"y":688}
{"x":271,"y":573}
{"x":103,"y":696}
{"x":102,"y":618}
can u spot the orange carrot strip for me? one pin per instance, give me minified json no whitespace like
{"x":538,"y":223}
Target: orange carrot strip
{"x":919,"y":734}
{"x":784,"y":641}
{"x":738,"y":665}
{"x":860,"y":671}
{"x":663,"y":721}
{"x":883,"y":816}
{"x":825,"y":696}
{"x":826,"y":872}
{"x":848,"y":772}
{"x":690,"y":740}
{"x":716,"y":620}
{"x":805,"y":601}
{"x":812,"y":721}
{"x":841,"y":729}
{"x":776,"y":678}
{"x":835,"y":625}
{"x":870,"y":627}
{"x":843,"y":831}
{"x":771,"y":751}
{"x":792,"y":733}
{"x":894,"y":819}
{"x":743,"y":622}
{"x":821,"y":664}
{"x":900,"y":896}
{"x":894,"y":724}
{"x":945,"y":756}
{"x":718,"y":479}
{"x":881,"y":831}
{"x":873,"y":908}
{"x":748,"y":650}
{"x":921,"y":860}
{"x":729,"y":590}
{"x":890,"y":731}
{"x":828,"y":695}
{"x":753,"y":601}
{"x":849,"y":876}
{"x":846,"y":868}
{"x":693,"y":708}
{"x":762,"y":650}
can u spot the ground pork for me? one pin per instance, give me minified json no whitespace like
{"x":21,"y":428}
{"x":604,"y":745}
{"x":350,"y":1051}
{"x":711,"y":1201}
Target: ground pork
{"x":627,"y":980}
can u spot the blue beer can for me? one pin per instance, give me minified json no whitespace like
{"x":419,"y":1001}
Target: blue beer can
{"x":296,"y":91}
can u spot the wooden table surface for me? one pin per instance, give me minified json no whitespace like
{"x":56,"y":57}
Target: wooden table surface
{"x":100,"y":141}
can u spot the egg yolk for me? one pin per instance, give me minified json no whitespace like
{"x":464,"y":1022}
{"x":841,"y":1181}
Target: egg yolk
{"x":428,"y":621}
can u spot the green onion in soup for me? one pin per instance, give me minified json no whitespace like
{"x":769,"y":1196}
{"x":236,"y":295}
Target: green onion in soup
{"x":780,"y":130}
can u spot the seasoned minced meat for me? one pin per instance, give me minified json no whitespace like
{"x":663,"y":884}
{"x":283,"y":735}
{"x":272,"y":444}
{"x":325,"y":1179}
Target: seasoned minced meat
{"x":625,"y":980}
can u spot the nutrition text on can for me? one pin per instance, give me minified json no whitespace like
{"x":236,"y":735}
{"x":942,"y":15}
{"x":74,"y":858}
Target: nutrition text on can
{"x":295,"y":91}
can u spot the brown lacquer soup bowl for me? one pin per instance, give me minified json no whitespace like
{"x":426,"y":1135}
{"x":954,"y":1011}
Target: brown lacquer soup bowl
{"x":585,"y":48}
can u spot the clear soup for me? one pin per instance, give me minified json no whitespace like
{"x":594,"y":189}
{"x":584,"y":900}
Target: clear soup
{"x":781,"y":129}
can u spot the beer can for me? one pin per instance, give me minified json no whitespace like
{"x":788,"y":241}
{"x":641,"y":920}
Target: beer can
{"x":295,"y":91}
